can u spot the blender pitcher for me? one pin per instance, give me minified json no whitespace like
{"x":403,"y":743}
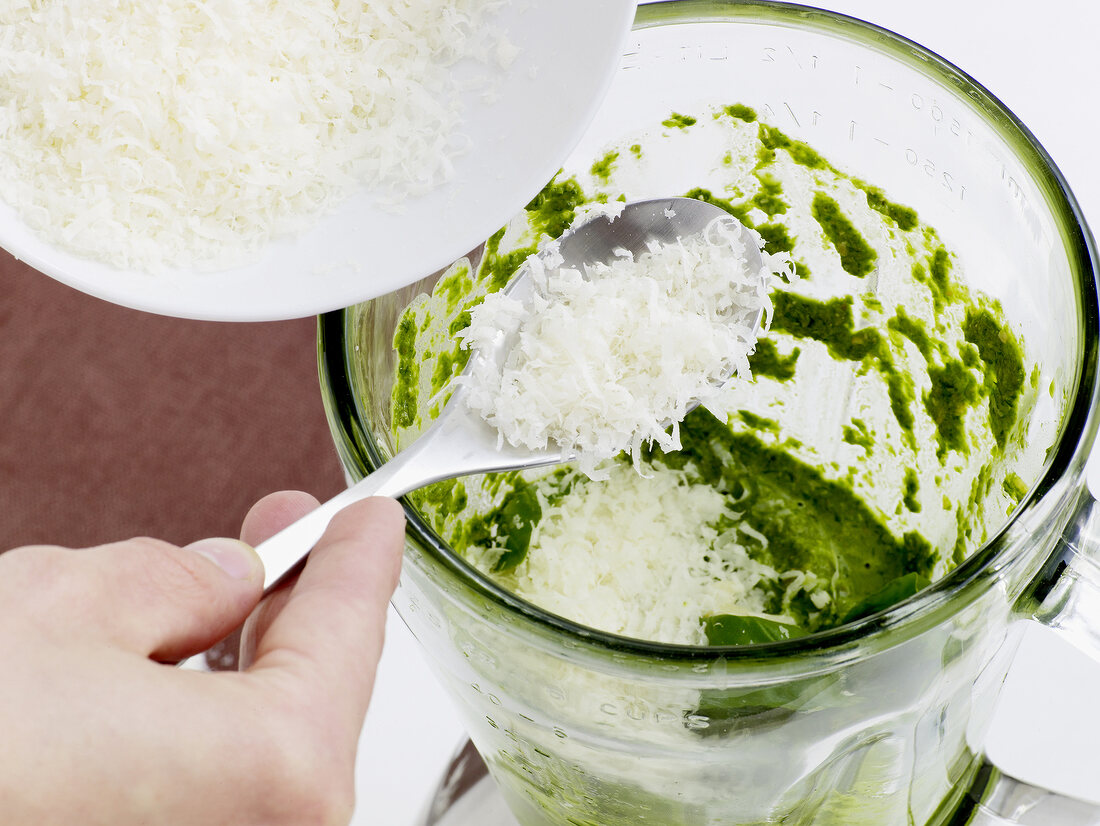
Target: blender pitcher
{"x":877,"y":721}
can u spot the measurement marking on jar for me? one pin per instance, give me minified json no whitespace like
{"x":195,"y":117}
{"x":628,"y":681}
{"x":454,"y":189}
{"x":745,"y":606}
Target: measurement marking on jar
{"x":939,"y":117}
{"x":771,"y":53}
{"x":928,"y":166}
{"x":814,"y":116}
{"x":852,"y":126}
{"x":1018,"y":195}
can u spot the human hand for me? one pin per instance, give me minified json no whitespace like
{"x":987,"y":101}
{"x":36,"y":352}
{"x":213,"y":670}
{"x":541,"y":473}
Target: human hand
{"x":99,"y":729}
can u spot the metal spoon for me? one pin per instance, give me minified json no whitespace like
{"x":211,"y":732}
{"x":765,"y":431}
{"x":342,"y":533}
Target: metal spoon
{"x":460,"y":442}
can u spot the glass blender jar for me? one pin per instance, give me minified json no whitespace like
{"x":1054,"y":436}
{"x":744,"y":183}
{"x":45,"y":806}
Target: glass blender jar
{"x":878,"y":721}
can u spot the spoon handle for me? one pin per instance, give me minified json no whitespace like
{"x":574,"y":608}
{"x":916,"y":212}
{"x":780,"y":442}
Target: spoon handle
{"x":451,"y":447}
{"x":283,"y":552}
{"x":457,"y":444}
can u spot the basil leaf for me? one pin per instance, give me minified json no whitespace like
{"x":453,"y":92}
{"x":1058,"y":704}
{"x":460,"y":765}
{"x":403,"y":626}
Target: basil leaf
{"x":731,"y":629}
{"x":895,"y":591}
{"x":519,"y":512}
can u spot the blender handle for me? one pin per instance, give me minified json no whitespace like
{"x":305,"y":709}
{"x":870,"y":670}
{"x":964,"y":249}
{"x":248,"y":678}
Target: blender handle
{"x":996,"y":799}
{"x":1065,"y":595}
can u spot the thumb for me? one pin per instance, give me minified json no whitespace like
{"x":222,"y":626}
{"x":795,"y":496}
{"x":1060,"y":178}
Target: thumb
{"x":167,"y":602}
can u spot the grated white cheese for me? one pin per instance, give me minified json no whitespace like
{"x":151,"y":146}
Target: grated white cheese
{"x":594,"y":560}
{"x":605,"y":360}
{"x":188,"y":132}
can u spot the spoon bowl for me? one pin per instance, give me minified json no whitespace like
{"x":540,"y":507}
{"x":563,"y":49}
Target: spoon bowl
{"x":460,"y":442}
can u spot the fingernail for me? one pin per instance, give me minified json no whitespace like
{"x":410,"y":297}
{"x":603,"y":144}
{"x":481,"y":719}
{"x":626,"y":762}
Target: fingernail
{"x":237,"y":559}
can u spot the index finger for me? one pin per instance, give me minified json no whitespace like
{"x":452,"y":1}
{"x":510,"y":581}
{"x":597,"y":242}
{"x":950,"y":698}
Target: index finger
{"x":327,"y":637}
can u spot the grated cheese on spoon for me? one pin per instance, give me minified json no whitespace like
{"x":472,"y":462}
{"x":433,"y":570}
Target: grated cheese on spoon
{"x":604,"y":360}
{"x":189,"y":132}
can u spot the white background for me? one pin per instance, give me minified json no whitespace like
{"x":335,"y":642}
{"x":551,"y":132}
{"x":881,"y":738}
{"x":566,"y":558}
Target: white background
{"x":1042,"y":60}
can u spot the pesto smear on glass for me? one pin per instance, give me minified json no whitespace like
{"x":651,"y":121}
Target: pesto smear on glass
{"x":875,"y":447}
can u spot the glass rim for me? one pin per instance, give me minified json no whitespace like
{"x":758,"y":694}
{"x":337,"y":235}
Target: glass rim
{"x":1076,"y":433}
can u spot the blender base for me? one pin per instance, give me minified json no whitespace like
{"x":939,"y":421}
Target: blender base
{"x":467,"y":795}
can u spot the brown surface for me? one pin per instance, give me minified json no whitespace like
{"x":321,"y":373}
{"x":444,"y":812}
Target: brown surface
{"x":120,"y":423}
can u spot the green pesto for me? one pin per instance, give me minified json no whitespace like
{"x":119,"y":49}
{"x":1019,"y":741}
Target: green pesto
{"x":460,"y":323}
{"x":962,"y":535}
{"x":776,"y":238}
{"x":553,"y":209}
{"x":738,"y":211}
{"x":857,"y":257}
{"x":448,"y":365}
{"x":407,"y":385}
{"x":858,"y":435}
{"x":636,"y":150}
{"x":499,"y":267}
{"x":438,"y":500}
{"x":1014,"y":487}
{"x":939,"y":272}
{"x":1004,"y":369}
{"x":910,"y":489}
{"x":740,"y":112}
{"x":830,"y":322}
{"x":764,"y":156}
{"x":508,"y":527}
{"x":980,"y":487}
{"x":455,"y":287}
{"x":953,"y":390}
{"x":550,"y":212}
{"x":899,"y":387}
{"x":511,"y":524}
{"x":913,"y":329}
{"x":905,"y":217}
{"x":758,"y":423}
{"x":678,"y":121}
{"x":603,"y":168}
{"x":812,"y":523}
{"x":969,"y":355}
{"x":767,"y":198}
{"x":766,"y":361}
{"x":801,"y":153}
